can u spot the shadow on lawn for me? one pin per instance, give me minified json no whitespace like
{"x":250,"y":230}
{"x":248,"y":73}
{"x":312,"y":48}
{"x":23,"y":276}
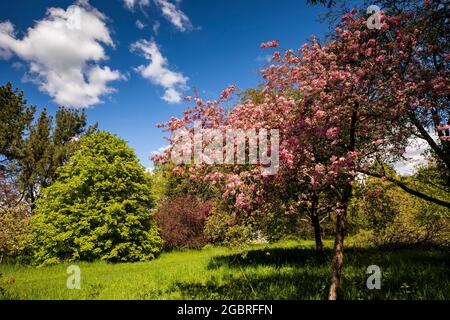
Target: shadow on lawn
{"x":298,"y":273}
{"x":275,"y":257}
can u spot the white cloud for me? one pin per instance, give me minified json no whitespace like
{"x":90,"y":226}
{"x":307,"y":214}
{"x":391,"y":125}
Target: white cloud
{"x":177,"y":17}
{"x":63,"y":52}
{"x":130,"y":4}
{"x":169,"y":10}
{"x":157,"y":71}
{"x":415,"y":157}
{"x":159,"y":151}
{"x":156,"y":26}
{"x":140,"y":25}
{"x":264,"y":58}
{"x":18,"y":66}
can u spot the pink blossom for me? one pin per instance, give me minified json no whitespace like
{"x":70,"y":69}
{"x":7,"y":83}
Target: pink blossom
{"x":227,"y":92}
{"x":320,"y":169}
{"x":332,"y":133}
{"x":320,"y":114}
{"x":270,"y":44}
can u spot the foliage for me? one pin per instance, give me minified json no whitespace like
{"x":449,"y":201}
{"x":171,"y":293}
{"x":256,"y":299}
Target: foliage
{"x":181,"y":221}
{"x":15,"y":232}
{"x":220,"y":228}
{"x":387,"y":216}
{"x":15,"y":229}
{"x":338,"y":106}
{"x":98,"y":208}
{"x":46,"y":148}
{"x":425,"y":71}
{"x":33,"y":151}
{"x":159,"y":186}
{"x":15,"y":118}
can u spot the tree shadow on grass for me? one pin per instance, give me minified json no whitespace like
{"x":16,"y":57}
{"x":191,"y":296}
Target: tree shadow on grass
{"x":290,"y":285}
{"x":275,"y":257}
{"x":298,"y":273}
{"x":356,"y":257}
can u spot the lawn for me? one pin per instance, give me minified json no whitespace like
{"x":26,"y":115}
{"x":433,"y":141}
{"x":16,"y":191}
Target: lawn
{"x":285,"y":270}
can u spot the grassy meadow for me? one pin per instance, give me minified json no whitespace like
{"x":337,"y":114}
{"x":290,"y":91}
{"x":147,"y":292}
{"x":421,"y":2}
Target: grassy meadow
{"x":285,"y":270}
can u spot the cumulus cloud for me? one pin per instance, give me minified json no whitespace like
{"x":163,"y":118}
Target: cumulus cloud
{"x":157,"y":71}
{"x":63,"y":52}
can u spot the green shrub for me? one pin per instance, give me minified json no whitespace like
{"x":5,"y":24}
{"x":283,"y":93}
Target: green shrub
{"x":99,"y":208}
{"x":15,"y":232}
{"x":384,"y":215}
{"x":222,"y":228}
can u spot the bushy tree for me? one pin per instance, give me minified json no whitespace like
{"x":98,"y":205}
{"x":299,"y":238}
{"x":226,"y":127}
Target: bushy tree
{"x":181,"y":220}
{"x":100,"y":207}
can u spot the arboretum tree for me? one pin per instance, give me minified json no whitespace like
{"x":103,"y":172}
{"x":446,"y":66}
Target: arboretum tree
{"x":99,"y":207}
{"x":15,"y":119}
{"x":33,"y":151}
{"x":427,"y":67}
{"x":341,"y":108}
{"x":48,"y":147}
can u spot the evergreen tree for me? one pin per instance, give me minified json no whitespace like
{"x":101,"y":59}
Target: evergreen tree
{"x":15,"y":118}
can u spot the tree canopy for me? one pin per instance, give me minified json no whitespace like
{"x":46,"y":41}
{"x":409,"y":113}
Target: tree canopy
{"x":99,"y":207}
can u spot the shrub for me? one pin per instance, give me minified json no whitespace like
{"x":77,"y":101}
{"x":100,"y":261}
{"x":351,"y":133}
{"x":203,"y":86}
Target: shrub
{"x":15,"y":232}
{"x":181,"y":220}
{"x":384,"y":215}
{"x":99,"y":208}
{"x":224,"y":228}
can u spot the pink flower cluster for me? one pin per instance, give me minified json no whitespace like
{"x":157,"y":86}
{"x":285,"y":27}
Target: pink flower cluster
{"x":270,"y":44}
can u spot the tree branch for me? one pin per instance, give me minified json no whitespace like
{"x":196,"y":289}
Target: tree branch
{"x":406,"y":188}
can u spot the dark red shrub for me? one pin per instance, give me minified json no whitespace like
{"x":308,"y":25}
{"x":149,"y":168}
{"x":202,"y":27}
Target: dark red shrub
{"x":181,"y":220}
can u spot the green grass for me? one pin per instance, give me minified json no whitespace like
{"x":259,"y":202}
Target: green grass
{"x":286,"y":270}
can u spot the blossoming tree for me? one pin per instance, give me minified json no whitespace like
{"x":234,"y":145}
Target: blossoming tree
{"x":341,"y":109}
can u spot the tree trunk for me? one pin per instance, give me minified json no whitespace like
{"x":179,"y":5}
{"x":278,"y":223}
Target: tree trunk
{"x":338,"y":258}
{"x":316,"y":225}
{"x":341,"y":218}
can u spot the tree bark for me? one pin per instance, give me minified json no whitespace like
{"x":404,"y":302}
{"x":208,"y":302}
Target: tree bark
{"x":341,"y":217}
{"x":315,"y":221}
{"x":338,"y":258}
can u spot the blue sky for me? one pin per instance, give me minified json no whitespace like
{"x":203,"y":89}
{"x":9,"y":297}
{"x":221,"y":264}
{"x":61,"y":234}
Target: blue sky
{"x":136,"y":75}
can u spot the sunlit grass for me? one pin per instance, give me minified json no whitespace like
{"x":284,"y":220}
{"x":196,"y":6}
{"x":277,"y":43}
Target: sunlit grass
{"x":286,"y":270}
